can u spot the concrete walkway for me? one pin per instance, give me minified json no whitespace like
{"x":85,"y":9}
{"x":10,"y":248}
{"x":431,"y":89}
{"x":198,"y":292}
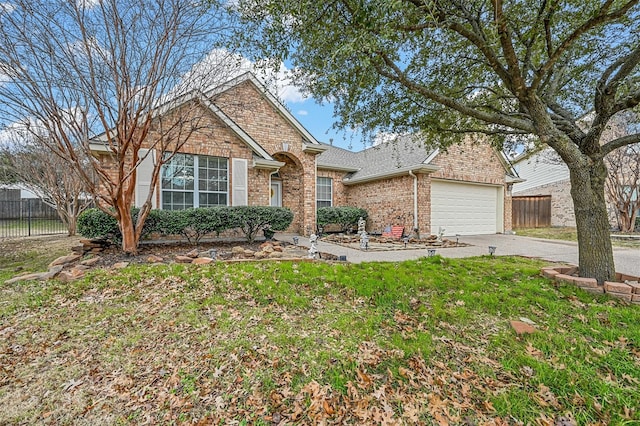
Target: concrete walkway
{"x":627,"y":259}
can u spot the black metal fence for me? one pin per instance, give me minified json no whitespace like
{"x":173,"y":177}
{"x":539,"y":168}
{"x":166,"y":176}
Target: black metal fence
{"x":28,"y":217}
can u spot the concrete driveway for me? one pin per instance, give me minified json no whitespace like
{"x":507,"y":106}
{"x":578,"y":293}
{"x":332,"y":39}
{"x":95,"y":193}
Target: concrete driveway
{"x":627,"y":259}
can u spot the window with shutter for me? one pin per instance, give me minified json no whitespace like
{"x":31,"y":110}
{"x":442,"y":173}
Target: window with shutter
{"x":194,"y":181}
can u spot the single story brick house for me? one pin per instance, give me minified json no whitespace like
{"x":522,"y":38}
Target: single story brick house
{"x":250,"y":150}
{"x":464,"y":191}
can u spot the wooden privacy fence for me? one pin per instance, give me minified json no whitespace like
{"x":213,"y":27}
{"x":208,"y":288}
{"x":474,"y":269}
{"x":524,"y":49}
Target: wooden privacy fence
{"x":531,"y":211}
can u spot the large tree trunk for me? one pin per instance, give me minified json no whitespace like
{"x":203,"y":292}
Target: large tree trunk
{"x":127,"y":228}
{"x":592,"y":221}
{"x":72,"y":226}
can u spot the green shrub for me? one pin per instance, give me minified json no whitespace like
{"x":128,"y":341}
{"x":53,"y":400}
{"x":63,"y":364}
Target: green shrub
{"x":193,"y":224}
{"x":171,"y":222}
{"x":207,"y":220}
{"x":94,"y":223}
{"x":252,"y":219}
{"x":344,"y":216}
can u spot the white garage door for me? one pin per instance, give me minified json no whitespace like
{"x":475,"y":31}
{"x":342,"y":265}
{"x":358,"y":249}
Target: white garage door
{"x":465,"y":209}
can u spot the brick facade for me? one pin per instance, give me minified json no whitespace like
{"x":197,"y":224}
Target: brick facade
{"x":202,"y":132}
{"x":265,"y":124}
{"x":470,"y":162}
{"x":389,"y":201}
{"x":338,"y":191}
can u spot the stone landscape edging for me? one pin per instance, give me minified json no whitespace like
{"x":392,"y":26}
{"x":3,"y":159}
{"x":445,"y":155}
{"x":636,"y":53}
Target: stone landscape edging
{"x":72,"y":267}
{"x":626,"y":287}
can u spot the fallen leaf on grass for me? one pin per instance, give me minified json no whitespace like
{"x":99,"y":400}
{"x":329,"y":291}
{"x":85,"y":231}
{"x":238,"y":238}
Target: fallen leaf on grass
{"x":328,"y":408}
{"x":566,"y":420}
{"x":546,"y":398}
{"x":488,"y":406}
{"x":364,"y":380}
{"x":438,"y":409}
{"x":536,"y":353}
{"x":527,"y":371}
{"x":405,"y":372}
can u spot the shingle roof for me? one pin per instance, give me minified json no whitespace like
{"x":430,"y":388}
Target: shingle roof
{"x":338,"y":158}
{"x":400,"y":154}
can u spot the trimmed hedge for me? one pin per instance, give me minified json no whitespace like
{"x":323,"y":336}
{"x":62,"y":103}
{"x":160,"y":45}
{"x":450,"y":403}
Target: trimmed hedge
{"x":344,"y":216}
{"x":193,"y":224}
{"x":94,"y":223}
{"x":253,"y":219}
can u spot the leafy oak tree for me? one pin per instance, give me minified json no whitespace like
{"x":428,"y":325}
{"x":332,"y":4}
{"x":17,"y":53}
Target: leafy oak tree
{"x":451,"y":67}
{"x":92,"y":76}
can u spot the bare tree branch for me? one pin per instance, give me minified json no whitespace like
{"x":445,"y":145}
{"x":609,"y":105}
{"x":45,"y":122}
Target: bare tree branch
{"x":620,"y":142}
{"x":83,"y":70}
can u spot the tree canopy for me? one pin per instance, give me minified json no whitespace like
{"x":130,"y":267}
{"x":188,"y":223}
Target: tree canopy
{"x":445,"y":68}
{"x":456,"y":66}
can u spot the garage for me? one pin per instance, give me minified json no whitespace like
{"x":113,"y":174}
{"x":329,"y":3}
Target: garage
{"x":466,"y":209}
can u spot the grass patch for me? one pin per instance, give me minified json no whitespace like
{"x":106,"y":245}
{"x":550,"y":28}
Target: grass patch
{"x":569,"y":234}
{"x":31,"y":254}
{"x":553,"y":233}
{"x":421,"y":341}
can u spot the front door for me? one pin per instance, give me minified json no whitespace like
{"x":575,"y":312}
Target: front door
{"x":276,"y":193}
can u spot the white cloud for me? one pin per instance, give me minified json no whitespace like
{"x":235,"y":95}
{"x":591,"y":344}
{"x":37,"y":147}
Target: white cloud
{"x":303,"y":112}
{"x":384,"y":137}
{"x":29,"y":129}
{"x":16,"y":133}
{"x":280,"y":83}
{"x":220,"y":66}
{"x":7,"y":7}
{"x":87,"y":4}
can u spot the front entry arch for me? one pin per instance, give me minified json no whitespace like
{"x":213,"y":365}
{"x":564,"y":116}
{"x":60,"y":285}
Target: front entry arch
{"x":291,"y":179}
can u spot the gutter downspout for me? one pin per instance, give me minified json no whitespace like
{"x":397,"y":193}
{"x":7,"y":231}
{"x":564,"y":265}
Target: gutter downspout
{"x":415,"y":199}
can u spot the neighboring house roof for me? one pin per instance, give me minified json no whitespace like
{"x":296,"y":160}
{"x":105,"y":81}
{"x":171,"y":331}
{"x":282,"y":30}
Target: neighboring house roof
{"x":25,"y":192}
{"x":393,"y":158}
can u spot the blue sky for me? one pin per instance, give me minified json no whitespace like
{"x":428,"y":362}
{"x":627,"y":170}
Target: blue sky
{"x":318,"y":119}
